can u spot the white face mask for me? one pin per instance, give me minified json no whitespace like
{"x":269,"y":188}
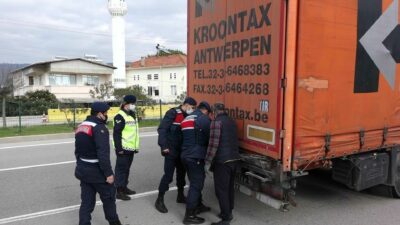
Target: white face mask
{"x":132,"y":107}
{"x":189,"y":111}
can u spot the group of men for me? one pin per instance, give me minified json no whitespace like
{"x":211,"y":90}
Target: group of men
{"x":190,"y":142}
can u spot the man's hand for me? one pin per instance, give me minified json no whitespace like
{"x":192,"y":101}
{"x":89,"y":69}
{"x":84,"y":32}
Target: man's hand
{"x":165,"y":152}
{"x":207,"y":167}
{"x":110,"y":179}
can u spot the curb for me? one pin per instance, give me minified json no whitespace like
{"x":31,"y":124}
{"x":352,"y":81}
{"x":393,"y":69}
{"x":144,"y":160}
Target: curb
{"x":45,"y":137}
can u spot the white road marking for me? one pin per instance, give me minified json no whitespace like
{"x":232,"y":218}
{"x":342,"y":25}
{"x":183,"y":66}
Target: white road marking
{"x":66,"y":209}
{"x":61,"y":143}
{"x":35,"y":166}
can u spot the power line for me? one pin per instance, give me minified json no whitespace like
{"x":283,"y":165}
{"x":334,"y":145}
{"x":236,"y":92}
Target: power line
{"x":76,"y":30}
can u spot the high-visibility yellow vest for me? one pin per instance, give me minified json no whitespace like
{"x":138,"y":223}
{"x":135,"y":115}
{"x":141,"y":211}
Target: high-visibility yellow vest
{"x":130,"y":133}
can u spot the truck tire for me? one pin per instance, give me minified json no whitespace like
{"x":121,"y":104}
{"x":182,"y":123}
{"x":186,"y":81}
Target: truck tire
{"x":396,"y":177}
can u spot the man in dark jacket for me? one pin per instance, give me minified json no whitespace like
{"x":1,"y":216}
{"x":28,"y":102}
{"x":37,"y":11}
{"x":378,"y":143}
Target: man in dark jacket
{"x":126,"y":144}
{"x":170,"y":141}
{"x":93,"y":166}
{"x":222,"y":157}
{"x":196,"y":131}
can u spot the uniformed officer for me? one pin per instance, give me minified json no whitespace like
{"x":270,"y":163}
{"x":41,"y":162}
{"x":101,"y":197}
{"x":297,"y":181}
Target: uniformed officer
{"x":93,"y":166}
{"x":222,"y":157}
{"x":126,"y":144}
{"x":196,"y":131}
{"x":170,"y":141}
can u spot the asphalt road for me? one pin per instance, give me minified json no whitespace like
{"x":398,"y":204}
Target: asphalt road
{"x":38,"y":188}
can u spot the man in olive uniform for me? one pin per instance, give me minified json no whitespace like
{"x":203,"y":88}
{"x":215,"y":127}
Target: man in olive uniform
{"x":126,"y":144}
{"x":93,"y":166}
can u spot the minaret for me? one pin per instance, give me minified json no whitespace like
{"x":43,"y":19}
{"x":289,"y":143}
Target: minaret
{"x":118,"y":9}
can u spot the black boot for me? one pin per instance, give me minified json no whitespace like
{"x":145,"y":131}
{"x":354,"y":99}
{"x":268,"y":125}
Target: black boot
{"x":121,"y":194}
{"x":181,"y":196}
{"x":229,"y":218}
{"x":129,"y":191}
{"x":160,"y":206}
{"x":191,"y":218}
{"x":222,"y":222}
{"x":201,"y":208}
{"x":115,"y":223}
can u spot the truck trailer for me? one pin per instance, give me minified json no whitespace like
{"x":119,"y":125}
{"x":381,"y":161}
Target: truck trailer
{"x":310,"y":83}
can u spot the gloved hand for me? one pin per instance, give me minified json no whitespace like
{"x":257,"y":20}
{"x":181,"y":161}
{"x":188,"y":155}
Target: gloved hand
{"x":165,"y":152}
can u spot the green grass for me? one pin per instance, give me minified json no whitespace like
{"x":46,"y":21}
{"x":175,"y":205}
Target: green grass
{"x":57,"y":129}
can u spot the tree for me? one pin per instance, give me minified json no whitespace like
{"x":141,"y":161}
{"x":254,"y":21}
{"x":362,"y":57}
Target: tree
{"x":43,"y":95}
{"x":5,"y":89}
{"x":181,"y":98}
{"x":135,"y":90}
{"x":102,"y":91}
{"x":141,"y":97}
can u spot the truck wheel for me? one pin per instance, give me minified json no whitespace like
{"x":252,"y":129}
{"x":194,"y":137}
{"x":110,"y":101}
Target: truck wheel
{"x":396,"y":177}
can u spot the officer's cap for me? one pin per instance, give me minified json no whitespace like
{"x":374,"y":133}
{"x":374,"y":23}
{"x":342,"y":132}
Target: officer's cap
{"x":204,"y":105}
{"x":190,"y":101}
{"x":130,"y":99}
{"x":218,"y":107}
{"x":100,"y":107}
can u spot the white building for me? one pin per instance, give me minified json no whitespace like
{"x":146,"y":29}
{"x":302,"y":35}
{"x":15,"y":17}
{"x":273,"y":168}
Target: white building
{"x":163,"y":77}
{"x":66,"y":78}
{"x":118,"y":9}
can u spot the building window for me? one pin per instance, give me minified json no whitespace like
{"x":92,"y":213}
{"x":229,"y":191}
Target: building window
{"x":170,"y":76}
{"x":155,"y":76}
{"x":173,"y":90}
{"x":89,"y":80}
{"x":149,"y":91}
{"x":175,"y":76}
{"x":31,"y":81}
{"x":138,"y":77}
{"x":156,"y":91}
{"x":148,"y":76}
{"x":62,"y":80}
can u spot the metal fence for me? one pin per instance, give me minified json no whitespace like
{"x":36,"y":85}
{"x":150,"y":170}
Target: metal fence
{"x":26,"y":114}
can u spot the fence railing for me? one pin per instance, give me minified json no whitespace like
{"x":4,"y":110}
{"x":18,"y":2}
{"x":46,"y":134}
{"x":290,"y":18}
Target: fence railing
{"x":25,"y":114}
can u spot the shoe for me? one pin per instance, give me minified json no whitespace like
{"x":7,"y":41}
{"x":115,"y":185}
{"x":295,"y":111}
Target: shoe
{"x":201,"y":208}
{"x":129,"y":191}
{"x":191,"y":218}
{"x":230,"y":218}
{"x":181,"y":197}
{"x":121,"y":195}
{"x":116,"y":223}
{"x":222,"y":222}
{"x":160,"y":206}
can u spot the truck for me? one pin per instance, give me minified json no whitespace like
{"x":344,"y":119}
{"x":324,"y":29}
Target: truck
{"x":310,"y":83}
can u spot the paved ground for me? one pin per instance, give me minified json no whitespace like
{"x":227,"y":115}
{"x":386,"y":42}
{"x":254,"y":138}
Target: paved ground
{"x":38,"y":188}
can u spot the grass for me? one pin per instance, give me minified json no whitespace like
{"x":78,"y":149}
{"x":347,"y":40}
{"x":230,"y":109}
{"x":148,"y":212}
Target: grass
{"x":57,"y":129}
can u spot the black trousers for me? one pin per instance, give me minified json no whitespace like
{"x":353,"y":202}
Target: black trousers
{"x":122,"y":170}
{"x":224,"y":183}
{"x":88,"y":197}
{"x":170,"y":163}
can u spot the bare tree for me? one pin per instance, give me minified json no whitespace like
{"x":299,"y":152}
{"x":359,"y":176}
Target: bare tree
{"x":5,"y":89}
{"x":102,"y":92}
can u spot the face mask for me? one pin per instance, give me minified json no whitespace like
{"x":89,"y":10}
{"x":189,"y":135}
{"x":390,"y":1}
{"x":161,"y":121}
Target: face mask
{"x":132,"y":107}
{"x":189,"y":111}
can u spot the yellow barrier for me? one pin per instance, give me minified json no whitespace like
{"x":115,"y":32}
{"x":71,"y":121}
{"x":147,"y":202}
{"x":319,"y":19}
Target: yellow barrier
{"x":58,"y":115}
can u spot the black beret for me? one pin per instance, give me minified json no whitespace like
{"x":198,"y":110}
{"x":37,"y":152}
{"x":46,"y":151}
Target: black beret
{"x":205,"y":105}
{"x":100,"y":107}
{"x":130,"y":99}
{"x":190,"y":101}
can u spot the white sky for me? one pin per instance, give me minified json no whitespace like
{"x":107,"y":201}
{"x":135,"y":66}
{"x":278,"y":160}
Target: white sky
{"x":37,"y":30}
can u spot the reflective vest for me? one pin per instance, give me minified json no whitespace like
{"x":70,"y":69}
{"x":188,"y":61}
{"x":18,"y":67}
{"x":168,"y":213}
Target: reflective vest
{"x":130,"y":133}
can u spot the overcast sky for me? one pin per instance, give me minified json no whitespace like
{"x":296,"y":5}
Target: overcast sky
{"x":37,"y":30}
